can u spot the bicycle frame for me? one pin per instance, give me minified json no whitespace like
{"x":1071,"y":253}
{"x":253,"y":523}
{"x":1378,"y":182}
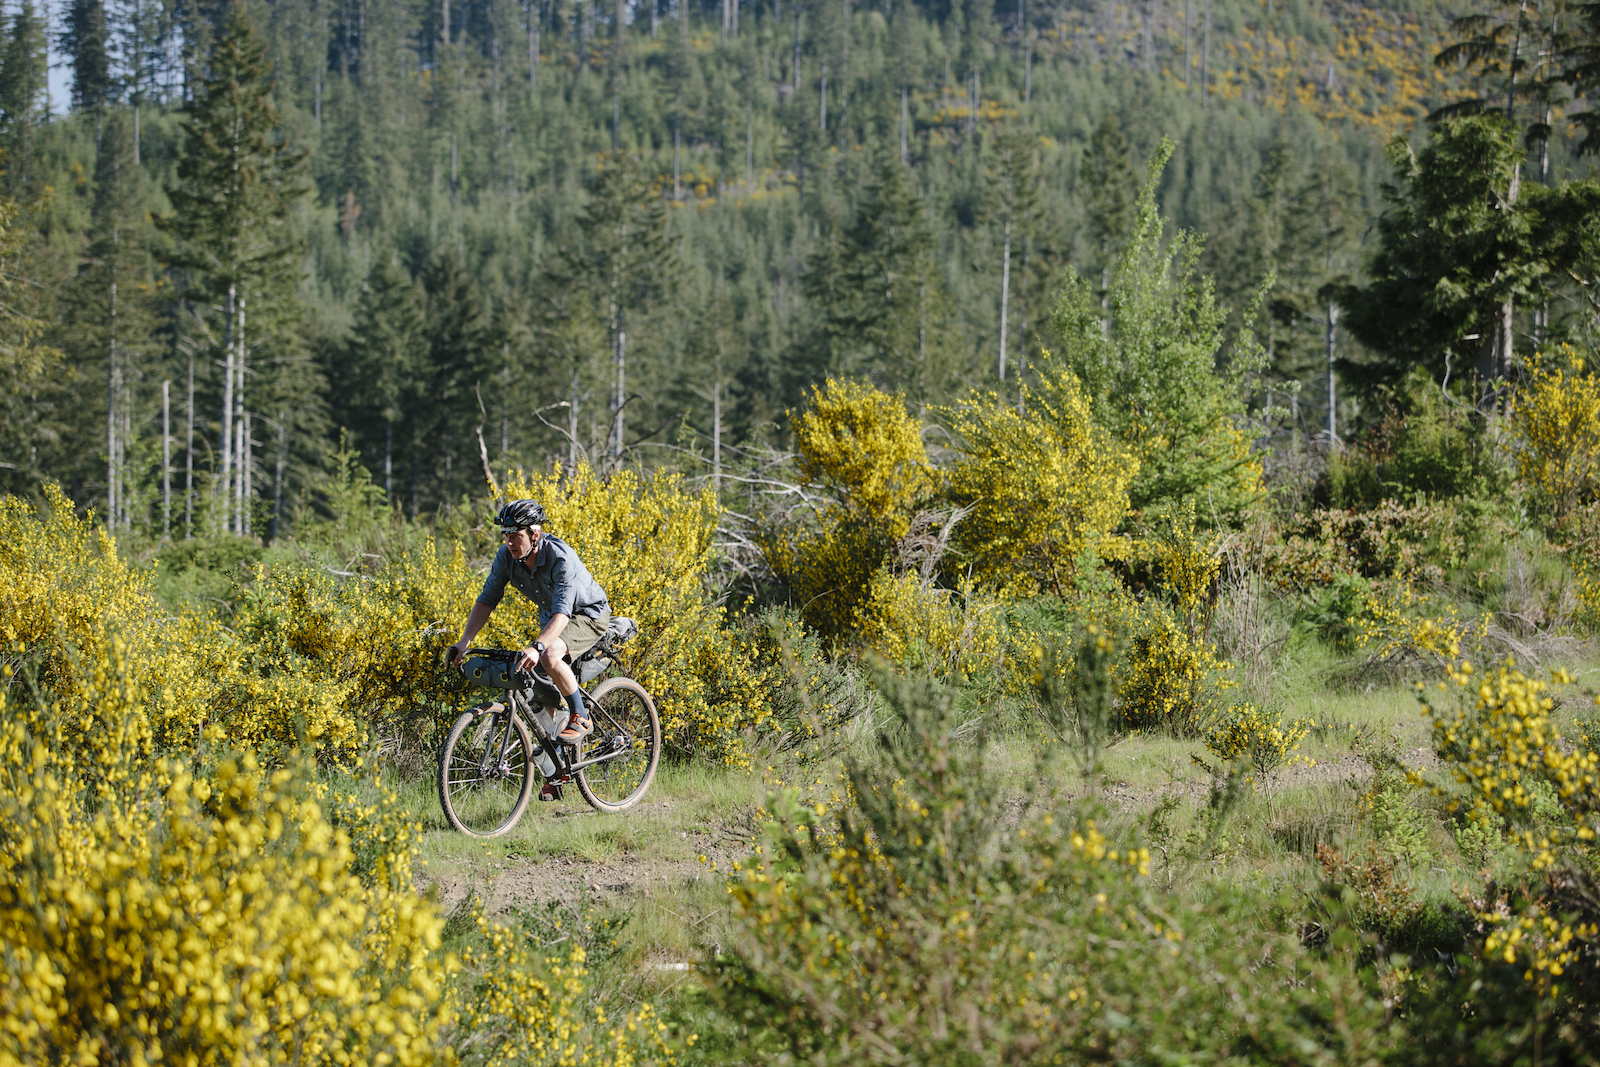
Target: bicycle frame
{"x":518,"y":701}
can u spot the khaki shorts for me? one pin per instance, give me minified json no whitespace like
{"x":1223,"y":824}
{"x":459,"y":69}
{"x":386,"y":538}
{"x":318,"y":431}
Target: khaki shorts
{"x":582,"y":633}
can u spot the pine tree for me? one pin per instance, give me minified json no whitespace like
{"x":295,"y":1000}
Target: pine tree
{"x":22,"y":88}
{"x":38,"y":405}
{"x":1013,"y":209}
{"x":237,"y":182}
{"x":87,"y":39}
{"x":882,"y":305}
{"x":445,"y":389}
{"x":1453,"y":255}
{"x":371,"y":377}
{"x":109,"y":316}
{"x":1106,"y":182}
{"x":1150,"y":365}
{"x":628,"y":263}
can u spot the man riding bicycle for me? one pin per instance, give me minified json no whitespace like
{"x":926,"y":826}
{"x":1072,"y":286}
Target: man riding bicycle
{"x":573,"y":610}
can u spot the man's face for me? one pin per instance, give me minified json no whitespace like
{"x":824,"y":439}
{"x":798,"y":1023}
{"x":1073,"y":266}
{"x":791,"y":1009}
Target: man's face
{"x":522,"y":542}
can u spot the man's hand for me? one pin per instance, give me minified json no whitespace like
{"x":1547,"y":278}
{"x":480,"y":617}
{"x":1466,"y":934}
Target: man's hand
{"x":453,"y":654}
{"x":528,"y":659}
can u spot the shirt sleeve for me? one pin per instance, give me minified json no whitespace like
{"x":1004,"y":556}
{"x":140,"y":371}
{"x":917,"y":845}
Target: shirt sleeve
{"x":494,"y":583}
{"x":561,"y":591}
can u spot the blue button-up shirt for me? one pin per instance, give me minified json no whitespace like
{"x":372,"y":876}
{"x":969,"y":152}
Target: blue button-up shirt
{"x":555,"y":579}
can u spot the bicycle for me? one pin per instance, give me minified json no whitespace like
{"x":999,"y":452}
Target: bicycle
{"x":486,"y":765}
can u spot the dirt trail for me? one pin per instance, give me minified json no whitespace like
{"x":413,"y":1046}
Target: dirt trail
{"x":669,"y":861}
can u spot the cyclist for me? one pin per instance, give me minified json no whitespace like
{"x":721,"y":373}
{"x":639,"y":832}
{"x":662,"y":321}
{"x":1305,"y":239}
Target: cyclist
{"x":573,"y":610}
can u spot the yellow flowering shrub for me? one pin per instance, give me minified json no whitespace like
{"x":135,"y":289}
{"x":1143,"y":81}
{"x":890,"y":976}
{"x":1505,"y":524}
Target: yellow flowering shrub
{"x":517,"y":1004}
{"x":1260,"y":739}
{"x":1495,"y":738}
{"x":153,"y":910}
{"x":149,"y":913}
{"x":912,"y":623}
{"x":349,"y":660}
{"x":861,"y":451}
{"x":1171,"y":676}
{"x":861,"y":446}
{"x":1555,"y":418}
{"x":1044,"y":484}
{"x":1397,"y":626}
{"x":1168,"y":679}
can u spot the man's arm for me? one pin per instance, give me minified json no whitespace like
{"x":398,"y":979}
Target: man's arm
{"x":476,"y":619}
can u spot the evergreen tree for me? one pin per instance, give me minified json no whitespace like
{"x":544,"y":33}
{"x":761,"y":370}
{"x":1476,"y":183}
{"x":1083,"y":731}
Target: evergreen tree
{"x":371,"y":378}
{"x":1106,"y":180}
{"x":1454,"y":254}
{"x":1151,"y":366}
{"x":883,"y":310}
{"x":86,"y":37}
{"x":109,"y":316}
{"x":1515,"y":53}
{"x":22,"y":89}
{"x":1013,"y":209}
{"x":38,"y":401}
{"x":627,"y":262}
{"x":237,"y":182}
{"x":446,"y":388}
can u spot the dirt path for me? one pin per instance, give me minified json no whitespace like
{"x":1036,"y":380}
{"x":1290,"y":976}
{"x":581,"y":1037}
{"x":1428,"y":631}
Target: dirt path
{"x":556,"y":860}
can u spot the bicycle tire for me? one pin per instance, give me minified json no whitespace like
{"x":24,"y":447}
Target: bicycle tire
{"x":477,"y":804}
{"x":620,"y":708}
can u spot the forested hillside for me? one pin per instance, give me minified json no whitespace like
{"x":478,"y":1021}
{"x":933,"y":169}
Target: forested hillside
{"x":621,"y":232}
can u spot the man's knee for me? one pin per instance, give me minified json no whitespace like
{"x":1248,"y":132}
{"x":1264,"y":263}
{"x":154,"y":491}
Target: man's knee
{"x":553,"y":652}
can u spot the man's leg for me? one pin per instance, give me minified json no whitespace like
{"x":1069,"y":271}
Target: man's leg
{"x":567,"y":685}
{"x":558,"y":669}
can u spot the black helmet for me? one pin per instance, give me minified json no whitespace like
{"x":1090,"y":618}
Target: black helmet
{"x":519,"y":515}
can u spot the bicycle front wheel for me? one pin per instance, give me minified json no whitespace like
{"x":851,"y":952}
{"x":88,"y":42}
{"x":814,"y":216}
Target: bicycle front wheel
{"x":485,"y":777}
{"x":625,"y":722}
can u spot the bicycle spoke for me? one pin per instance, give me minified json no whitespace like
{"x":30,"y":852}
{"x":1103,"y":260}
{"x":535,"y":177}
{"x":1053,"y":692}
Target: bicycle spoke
{"x":485,"y":774}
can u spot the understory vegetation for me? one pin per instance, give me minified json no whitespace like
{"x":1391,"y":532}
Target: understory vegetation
{"x":1201,"y":686}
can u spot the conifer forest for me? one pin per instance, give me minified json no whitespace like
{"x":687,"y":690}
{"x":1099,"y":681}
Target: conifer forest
{"x":1107,"y":493}
{"x":618,"y":233}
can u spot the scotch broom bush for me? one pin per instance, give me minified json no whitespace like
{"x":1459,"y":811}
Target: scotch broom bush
{"x":861,"y":450}
{"x":916,"y":923}
{"x":346,"y":661}
{"x":1044,"y":484}
{"x":208,"y":910}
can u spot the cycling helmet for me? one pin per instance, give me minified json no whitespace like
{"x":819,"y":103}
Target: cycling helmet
{"x":519,"y":515}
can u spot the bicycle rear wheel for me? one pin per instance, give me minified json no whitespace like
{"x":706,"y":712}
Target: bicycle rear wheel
{"x":625,"y":721}
{"x":485,"y":777}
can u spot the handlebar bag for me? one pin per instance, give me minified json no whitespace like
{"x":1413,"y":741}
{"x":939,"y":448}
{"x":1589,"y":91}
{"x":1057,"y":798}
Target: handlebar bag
{"x":493,"y":673}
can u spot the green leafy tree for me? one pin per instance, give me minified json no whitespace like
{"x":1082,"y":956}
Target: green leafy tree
{"x":238,"y":180}
{"x":1152,"y":367}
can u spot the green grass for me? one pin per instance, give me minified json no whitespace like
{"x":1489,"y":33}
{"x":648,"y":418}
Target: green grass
{"x":668,"y":906}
